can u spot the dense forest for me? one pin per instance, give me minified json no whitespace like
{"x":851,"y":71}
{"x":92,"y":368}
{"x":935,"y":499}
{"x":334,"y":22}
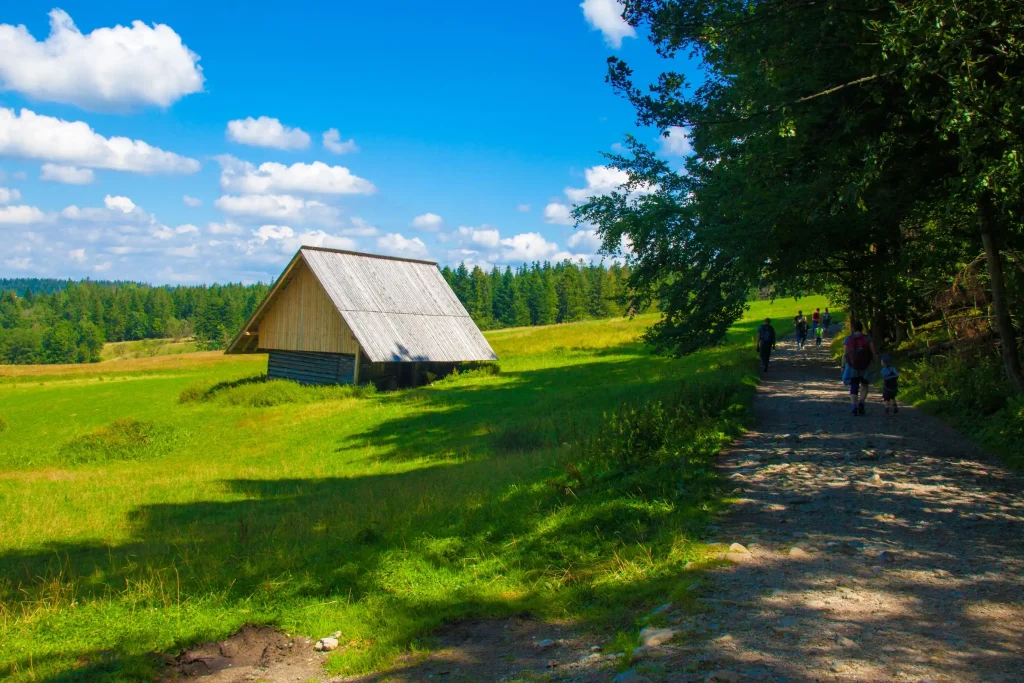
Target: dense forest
{"x":57,"y":321}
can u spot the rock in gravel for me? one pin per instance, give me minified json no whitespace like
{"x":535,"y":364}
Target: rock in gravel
{"x":737,"y":548}
{"x":843,"y":641}
{"x":544,"y":644}
{"x":653,"y":637}
{"x":630,"y":677}
{"x":595,"y":648}
{"x":798,"y":554}
{"x":723,"y":677}
{"x":885,"y":557}
{"x":326,"y":645}
{"x":646,"y":652}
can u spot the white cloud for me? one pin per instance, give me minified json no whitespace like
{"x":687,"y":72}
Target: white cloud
{"x":225,"y":228}
{"x":619,"y":148}
{"x":23,"y":263}
{"x":191,"y":251}
{"x":289,"y":241}
{"x":77,"y":255}
{"x":397,"y":245}
{"x":575,"y":258}
{"x":606,"y":17}
{"x":122,"y":204}
{"x":359,"y":228}
{"x":9,"y":195}
{"x":70,"y":175}
{"x":186,"y":228}
{"x":163,"y":233}
{"x":267,"y":132}
{"x":603,"y":180}
{"x":676,"y":142}
{"x":317,"y":177}
{"x":558,"y":214}
{"x":485,"y":235}
{"x":281,"y":207}
{"x":585,"y":240}
{"x":529,"y":246}
{"x":523,"y":208}
{"x":20,"y":215}
{"x":110,"y":68}
{"x":103,"y":267}
{"x":428,"y":221}
{"x":191,"y":202}
{"x":33,"y":136}
{"x":333,"y":143}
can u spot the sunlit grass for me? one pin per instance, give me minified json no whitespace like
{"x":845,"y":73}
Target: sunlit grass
{"x":378,"y":515}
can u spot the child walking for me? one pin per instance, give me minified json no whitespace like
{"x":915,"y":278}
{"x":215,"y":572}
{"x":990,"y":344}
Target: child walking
{"x":890,"y":384}
{"x":817,"y":336}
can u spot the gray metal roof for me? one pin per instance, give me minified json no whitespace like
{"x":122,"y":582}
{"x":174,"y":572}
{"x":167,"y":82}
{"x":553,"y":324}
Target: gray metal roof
{"x":398,"y":309}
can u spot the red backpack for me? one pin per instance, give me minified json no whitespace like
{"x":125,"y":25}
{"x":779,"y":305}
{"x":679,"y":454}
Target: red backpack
{"x":859,"y":352}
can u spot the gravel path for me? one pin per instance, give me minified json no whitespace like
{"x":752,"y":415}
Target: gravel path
{"x":909,"y":560}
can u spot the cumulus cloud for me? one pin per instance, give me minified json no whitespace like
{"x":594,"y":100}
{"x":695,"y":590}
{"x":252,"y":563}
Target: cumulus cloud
{"x":676,"y":142}
{"x":398,"y":245}
{"x":21,"y":263}
{"x":8,"y":195}
{"x":606,"y":16}
{"x":21,"y":215}
{"x":108,"y":69}
{"x":32,"y":136}
{"x":191,"y":202}
{"x":428,"y":221}
{"x":280,"y":207}
{"x":225,"y":228}
{"x":333,"y":143}
{"x":603,"y":180}
{"x":77,"y":255}
{"x":122,"y":204}
{"x":484,"y":236}
{"x":315,"y":178}
{"x":523,"y":208}
{"x":69,"y":175}
{"x":288,"y":241}
{"x":186,"y":228}
{"x":585,"y":240}
{"x":191,"y":251}
{"x":103,"y":267}
{"x":558,"y":214}
{"x":267,"y":132}
{"x":359,"y":228}
{"x":529,"y":246}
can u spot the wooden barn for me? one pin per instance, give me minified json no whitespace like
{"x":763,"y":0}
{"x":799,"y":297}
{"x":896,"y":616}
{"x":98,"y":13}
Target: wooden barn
{"x":341,"y":317}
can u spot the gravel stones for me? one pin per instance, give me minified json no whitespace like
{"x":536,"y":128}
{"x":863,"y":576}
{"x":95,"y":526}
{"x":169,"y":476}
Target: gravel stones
{"x":653,"y":637}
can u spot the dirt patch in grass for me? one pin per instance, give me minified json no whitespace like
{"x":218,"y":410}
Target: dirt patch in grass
{"x":254,"y":653}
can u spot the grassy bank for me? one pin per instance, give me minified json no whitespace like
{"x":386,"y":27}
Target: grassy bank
{"x":574,"y":484}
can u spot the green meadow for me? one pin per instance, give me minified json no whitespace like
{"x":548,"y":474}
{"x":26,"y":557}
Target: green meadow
{"x":150,"y":504}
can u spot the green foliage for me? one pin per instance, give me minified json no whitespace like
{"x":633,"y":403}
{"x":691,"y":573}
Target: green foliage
{"x":123,"y":439}
{"x":3,"y":425}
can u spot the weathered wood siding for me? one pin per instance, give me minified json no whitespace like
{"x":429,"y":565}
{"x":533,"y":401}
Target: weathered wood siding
{"x":303,"y":318}
{"x":311,"y":368}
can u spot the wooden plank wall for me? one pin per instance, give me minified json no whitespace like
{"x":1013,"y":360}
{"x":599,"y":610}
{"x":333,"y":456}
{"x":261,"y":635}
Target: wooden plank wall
{"x":311,"y":368}
{"x":304,"y":319}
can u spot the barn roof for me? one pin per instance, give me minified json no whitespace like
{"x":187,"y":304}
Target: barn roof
{"x":398,"y":309}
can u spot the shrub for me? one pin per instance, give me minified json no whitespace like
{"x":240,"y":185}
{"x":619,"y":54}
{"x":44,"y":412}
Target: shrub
{"x":274,"y":392}
{"x":123,"y":439}
{"x":196,"y":391}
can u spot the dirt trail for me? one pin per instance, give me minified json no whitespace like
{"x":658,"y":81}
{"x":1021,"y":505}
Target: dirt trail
{"x":913,"y":542}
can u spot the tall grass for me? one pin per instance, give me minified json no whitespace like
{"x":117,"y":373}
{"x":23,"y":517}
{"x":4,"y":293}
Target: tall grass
{"x":574,"y":484}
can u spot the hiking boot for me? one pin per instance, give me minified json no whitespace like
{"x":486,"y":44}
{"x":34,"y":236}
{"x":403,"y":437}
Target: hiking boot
{"x":895,"y":409}
{"x":854,"y":411}
{"x":860,"y":408}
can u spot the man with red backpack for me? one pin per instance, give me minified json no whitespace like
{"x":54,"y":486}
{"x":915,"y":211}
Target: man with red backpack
{"x":859,"y":354}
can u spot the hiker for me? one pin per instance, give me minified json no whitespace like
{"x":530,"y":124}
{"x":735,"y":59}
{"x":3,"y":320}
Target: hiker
{"x":826,"y":319}
{"x":858,"y":353}
{"x":817,"y":336}
{"x":801,"y":333}
{"x":796,"y":323}
{"x":765,"y":342}
{"x":815,"y":321}
{"x":890,"y":384}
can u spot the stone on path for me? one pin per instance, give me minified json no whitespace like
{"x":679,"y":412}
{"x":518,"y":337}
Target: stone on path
{"x":798,"y":554}
{"x":737,"y":548}
{"x":630,"y":677}
{"x":843,"y":641}
{"x":653,"y":637}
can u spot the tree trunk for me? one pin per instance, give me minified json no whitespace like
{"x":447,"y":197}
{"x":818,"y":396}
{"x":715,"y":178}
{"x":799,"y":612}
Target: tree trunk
{"x":1007,"y":335}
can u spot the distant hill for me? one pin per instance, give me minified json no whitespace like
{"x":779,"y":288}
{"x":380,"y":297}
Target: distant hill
{"x":41,"y":285}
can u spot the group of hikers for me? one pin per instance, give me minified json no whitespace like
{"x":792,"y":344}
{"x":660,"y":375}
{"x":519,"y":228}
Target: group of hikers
{"x":859,"y":354}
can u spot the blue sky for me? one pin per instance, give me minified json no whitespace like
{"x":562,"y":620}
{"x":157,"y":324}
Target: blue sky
{"x":464,"y":131}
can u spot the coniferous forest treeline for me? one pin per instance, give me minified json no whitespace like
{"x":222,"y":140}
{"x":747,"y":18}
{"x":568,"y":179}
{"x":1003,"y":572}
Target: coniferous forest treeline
{"x":61,"y":321}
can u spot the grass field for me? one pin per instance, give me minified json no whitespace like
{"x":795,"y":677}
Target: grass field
{"x":572,"y":485}
{"x":146,"y":348}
